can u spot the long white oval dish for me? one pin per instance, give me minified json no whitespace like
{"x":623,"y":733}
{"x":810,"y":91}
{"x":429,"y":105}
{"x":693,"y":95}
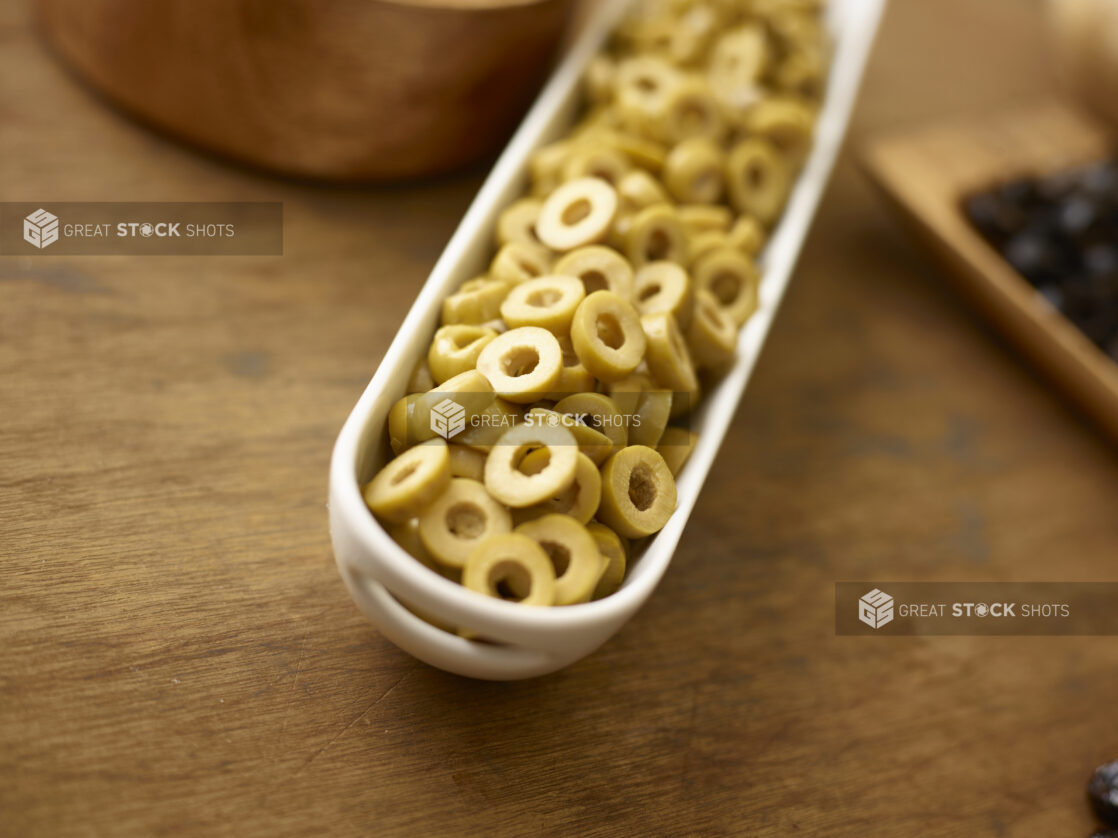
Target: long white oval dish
{"x":535,"y":641}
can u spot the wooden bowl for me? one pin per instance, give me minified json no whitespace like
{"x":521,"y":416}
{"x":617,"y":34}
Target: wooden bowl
{"x":353,"y":90}
{"x":927,"y":172}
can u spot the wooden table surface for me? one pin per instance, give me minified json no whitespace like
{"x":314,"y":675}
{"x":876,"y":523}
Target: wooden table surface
{"x":179,"y":656}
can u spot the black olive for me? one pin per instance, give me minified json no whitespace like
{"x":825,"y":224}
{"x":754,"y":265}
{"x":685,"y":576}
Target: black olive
{"x":1077,"y":215}
{"x":1103,"y":793}
{"x":1101,"y":180}
{"x":993,"y":217}
{"x":1101,"y":259}
{"x":1053,"y":293}
{"x":1021,"y":192}
{"x":1057,"y":186}
{"x":1032,"y":255}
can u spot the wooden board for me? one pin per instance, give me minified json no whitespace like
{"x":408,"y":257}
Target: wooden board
{"x":928,"y":172}
{"x":179,"y":657}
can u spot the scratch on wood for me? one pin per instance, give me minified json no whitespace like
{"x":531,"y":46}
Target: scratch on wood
{"x":350,"y":724}
{"x":688,"y":747}
{"x":301,"y":661}
{"x":295,"y":681}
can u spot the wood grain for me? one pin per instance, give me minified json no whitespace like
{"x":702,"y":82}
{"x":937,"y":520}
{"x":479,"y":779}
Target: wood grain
{"x":928,"y":172}
{"x":179,"y":657}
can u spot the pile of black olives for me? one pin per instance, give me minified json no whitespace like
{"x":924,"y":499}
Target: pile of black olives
{"x":1102,"y":791}
{"x":1060,"y":232}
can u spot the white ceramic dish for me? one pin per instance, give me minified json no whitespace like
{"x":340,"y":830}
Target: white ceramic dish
{"x":535,"y":641}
